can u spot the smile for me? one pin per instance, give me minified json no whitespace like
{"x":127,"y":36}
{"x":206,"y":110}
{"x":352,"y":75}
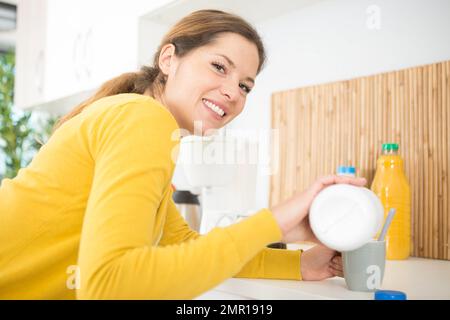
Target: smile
{"x":214,"y":108}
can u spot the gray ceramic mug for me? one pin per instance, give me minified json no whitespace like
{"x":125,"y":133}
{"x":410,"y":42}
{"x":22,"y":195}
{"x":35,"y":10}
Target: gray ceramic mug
{"x":364,"y":267}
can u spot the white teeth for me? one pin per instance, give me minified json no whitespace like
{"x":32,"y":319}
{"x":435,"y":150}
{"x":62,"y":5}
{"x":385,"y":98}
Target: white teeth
{"x":214,"y":108}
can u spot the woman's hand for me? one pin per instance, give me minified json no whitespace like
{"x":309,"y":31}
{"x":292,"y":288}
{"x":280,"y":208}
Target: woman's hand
{"x":319,"y":263}
{"x":291,"y":215}
{"x":302,"y":232}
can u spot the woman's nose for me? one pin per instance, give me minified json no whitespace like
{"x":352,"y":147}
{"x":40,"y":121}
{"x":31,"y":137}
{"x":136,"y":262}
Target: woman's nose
{"x":230,"y":89}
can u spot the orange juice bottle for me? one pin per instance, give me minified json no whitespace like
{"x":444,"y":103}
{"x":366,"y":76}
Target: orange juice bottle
{"x":391,"y":186}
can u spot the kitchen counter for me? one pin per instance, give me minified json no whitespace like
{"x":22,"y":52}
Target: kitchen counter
{"x":418,"y":278}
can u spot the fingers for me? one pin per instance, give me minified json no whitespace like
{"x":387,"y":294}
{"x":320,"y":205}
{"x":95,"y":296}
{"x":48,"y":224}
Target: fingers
{"x":335,"y":272}
{"x":336,"y":266}
{"x":326,"y":181}
{"x":360,"y":182}
{"x":322,"y":183}
{"x":337,"y":262}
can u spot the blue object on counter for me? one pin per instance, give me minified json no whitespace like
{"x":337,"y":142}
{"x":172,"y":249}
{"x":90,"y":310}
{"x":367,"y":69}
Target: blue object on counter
{"x":346,"y":170}
{"x":390,"y":295}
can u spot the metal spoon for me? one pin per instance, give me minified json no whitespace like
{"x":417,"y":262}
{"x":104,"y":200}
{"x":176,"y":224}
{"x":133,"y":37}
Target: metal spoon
{"x":387,"y":223}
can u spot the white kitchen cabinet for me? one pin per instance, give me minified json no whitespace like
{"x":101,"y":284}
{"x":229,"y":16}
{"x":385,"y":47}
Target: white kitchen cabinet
{"x":30,"y":51}
{"x":67,"y":47}
{"x":53,"y":52}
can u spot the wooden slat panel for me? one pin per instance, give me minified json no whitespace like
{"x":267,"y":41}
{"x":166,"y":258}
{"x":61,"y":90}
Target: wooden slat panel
{"x":345,"y":123}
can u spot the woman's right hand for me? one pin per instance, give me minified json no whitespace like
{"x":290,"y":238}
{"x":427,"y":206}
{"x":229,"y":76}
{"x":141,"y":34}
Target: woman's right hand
{"x":291,"y":214}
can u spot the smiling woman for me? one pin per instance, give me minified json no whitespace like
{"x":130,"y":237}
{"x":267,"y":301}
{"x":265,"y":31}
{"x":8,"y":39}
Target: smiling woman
{"x":209,"y":85}
{"x":92,"y":216}
{"x":202,"y":71}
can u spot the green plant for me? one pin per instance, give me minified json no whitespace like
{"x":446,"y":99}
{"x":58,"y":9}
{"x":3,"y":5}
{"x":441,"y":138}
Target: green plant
{"x":20,"y":139}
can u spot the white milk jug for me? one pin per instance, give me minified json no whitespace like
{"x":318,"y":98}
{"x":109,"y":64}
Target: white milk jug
{"x":345,"y":217}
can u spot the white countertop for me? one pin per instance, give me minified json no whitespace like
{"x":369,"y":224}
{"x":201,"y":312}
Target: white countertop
{"x":419,"y":278}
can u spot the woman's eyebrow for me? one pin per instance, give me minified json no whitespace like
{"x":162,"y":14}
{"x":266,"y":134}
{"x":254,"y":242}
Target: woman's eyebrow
{"x":234,"y":66}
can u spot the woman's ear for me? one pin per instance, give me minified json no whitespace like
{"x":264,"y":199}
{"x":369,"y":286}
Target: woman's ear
{"x":165,"y":57}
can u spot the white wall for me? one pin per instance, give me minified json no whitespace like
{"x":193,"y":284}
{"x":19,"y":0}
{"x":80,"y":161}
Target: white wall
{"x":331,"y":40}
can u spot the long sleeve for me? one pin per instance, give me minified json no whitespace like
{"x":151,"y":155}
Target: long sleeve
{"x":176,"y":230}
{"x":132,"y":149}
{"x":267,"y":264}
{"x":273,"y":264}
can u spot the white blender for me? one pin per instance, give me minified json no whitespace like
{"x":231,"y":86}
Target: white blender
{"x":226,"y":185}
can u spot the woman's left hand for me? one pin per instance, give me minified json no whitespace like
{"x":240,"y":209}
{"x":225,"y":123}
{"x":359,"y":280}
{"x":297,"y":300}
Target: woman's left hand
{"x":320,"y":262}
{"x":303,"y":232}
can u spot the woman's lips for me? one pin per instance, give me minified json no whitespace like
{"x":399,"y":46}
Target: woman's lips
{"x":212,"y":113}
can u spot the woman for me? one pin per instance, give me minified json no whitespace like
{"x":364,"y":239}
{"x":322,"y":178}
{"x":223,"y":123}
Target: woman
{"x":92,"y":215}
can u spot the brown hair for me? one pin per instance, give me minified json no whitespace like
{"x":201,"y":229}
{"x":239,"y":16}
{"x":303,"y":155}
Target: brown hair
{"x":193,"y":31}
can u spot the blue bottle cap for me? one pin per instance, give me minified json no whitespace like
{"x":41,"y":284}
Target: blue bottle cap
{"x":341,"y":170}
{"x":390,"y":295}
{"x":346,"y":170}
{"x":351,"y":170}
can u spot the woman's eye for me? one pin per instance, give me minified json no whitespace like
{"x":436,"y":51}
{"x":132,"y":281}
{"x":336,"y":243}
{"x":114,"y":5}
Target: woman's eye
{"x":219,"y":67}
{"x":245,"y":88}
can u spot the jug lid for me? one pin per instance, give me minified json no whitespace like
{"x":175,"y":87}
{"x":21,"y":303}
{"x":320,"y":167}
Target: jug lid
{"x":389,"y":295}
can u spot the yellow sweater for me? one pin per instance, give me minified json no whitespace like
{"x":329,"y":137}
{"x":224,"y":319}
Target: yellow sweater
{"x":92,"y":217}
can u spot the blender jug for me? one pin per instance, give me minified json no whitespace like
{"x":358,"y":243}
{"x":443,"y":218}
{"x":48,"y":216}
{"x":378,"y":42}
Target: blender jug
{"x":189,"y":207}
